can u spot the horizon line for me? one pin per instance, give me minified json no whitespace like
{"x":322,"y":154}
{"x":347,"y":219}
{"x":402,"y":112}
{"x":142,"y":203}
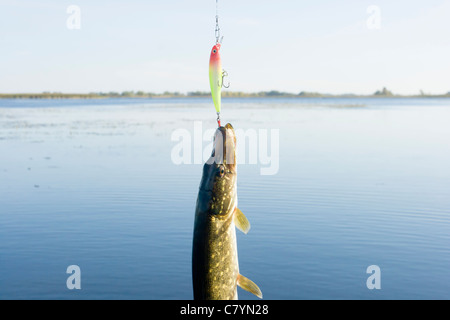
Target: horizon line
{"x":230,"y":94}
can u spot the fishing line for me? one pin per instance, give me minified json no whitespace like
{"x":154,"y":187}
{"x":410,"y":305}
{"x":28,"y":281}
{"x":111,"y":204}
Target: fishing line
{"x":217,"y":30}
{"x":217,"y":34}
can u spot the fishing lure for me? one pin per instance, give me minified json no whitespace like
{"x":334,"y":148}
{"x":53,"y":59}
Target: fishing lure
{"x":216,"y":73}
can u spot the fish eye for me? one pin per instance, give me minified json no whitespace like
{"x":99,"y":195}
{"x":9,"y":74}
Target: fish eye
{"x":214,"y":51}
{"x":222,"y":171}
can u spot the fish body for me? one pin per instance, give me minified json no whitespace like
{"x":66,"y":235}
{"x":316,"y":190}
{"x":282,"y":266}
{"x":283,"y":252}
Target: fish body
{"x":215,"y":76}
{"x":215,"y":267}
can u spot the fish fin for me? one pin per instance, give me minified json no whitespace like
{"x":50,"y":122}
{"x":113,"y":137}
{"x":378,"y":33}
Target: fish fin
{"x":249,"y":285}
{"x":241,"y":221}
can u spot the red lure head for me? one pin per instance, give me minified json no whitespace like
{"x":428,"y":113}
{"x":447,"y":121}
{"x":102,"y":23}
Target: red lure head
{"x":215,"y":52}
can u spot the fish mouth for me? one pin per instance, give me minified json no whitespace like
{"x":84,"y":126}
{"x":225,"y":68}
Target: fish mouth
{"x":222,"y":162}
{"x":231,"y":134}
{"x":224,"y":149}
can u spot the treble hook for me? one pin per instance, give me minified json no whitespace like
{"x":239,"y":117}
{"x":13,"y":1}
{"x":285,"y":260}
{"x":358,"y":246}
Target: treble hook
{"x":225,"y":74}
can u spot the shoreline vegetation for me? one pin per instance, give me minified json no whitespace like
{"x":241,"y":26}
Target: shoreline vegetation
{"x":384,"y":93}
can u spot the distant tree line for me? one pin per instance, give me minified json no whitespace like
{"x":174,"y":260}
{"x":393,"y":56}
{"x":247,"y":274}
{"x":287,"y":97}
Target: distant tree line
{"x":227,"y":94}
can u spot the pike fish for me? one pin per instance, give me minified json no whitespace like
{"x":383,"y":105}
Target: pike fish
{"x":215,"y":268}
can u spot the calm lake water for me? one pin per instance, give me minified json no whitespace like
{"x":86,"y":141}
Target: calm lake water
{"x":93,"y":183}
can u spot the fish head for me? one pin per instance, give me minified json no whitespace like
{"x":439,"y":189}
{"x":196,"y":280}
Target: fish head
{"x":219,"y":172}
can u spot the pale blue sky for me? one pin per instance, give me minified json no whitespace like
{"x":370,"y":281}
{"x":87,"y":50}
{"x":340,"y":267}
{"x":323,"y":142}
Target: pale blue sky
{"x":286,"y":45}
